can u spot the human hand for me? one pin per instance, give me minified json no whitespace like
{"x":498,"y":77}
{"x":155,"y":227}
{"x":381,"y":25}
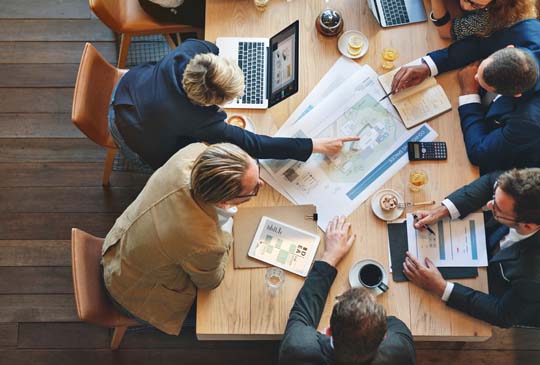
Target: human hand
{"x":331,"y":146}
{"x":408,"y":76}
{"x":427,"y":277}
{"x":426,"y":217}
{"x":338,"y":240}
{"x":467,"y":79}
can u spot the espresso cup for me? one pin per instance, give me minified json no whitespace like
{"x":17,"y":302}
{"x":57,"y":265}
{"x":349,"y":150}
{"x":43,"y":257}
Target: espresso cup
{"x":371,"y":276}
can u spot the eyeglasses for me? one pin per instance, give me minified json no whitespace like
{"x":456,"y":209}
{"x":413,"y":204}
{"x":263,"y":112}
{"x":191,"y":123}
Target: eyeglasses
{"x":495,"y":208}
{"x":256,"y":189}
{"x":475,"y":5}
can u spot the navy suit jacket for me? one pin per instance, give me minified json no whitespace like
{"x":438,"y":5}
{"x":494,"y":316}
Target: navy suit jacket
{"x":302,"y":344}
{"x":513,"y":273}
{"x":162,"y":120}
{"x":507,"y":134}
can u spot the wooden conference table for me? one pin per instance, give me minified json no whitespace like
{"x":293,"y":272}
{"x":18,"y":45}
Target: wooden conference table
{"x":242,"y":307}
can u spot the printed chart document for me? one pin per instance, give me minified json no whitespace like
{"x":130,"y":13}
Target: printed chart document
{"x":459,"y":242}
{"x":419,"y":103}
{"x":284,"y":246}
{"x":338,"y":185}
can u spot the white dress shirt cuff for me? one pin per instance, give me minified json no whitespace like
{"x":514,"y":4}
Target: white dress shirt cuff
{"x":454,"y":212}
{"x":469,"y":99}
{"x":432,"y":66}
{"x":447,"y":291}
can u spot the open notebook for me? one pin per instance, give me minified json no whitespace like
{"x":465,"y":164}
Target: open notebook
{"x":419,"y":103}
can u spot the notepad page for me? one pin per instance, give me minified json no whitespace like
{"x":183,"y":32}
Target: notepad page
{"x":422,"y":106}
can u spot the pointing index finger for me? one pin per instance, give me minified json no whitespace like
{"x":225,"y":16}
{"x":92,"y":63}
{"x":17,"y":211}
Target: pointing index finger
{"x":349,"y":139}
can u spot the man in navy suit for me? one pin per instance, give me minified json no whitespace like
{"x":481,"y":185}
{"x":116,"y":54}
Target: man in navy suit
{"x":513,"y":243}
{"x":506,"y":132}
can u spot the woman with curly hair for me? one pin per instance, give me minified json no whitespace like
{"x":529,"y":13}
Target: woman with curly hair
{"x":458,"y":19}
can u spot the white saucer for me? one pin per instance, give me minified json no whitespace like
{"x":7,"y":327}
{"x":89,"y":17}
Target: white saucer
{"x":343,"y":43}
{"x":250,"y":127}
{"x":355,"y":269}
{"x":383,"y":214}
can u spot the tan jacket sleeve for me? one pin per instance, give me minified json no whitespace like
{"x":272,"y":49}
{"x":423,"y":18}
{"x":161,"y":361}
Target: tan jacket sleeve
{"x":207,"y":268}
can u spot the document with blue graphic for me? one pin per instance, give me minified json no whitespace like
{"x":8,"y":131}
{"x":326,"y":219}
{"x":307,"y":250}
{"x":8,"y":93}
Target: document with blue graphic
{"x":453,"y":243}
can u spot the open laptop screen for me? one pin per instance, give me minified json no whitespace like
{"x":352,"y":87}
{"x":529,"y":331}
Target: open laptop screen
{"x":283,"y":70}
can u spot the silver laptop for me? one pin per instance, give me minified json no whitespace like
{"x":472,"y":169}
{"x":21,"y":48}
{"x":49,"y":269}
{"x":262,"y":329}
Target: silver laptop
{"x":390,"y":13}
{"x":270,"y":67}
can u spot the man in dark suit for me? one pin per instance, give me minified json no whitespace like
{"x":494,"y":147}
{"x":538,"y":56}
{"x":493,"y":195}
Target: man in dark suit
{"x":513,"y":241}
{"x":160,"y":107}
{"x":359,"y":331}
{"x":506,"y":133}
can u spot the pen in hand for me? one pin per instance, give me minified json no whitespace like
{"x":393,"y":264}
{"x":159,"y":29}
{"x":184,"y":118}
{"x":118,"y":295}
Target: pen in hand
{"x":387,"y":95}
{"x":425,"y":225}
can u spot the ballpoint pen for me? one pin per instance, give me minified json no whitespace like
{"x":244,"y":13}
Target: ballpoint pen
{"x":387,"y":95}
{"x":425,"y":225}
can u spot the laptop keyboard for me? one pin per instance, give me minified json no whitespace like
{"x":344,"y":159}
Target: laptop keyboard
{"x":395,"y":12}
{"x":251,"y":61}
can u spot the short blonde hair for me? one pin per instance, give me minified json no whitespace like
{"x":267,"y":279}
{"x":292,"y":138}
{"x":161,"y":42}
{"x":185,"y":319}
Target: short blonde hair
{"x":210,"y":80}
{"x":218,"y":172}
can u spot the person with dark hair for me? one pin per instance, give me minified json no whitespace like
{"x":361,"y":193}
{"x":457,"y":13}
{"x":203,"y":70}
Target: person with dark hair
{"x":506,"y":132}
{"x":359,"y":332}
{"x":513,"y":243}
{"x":502,"y":129}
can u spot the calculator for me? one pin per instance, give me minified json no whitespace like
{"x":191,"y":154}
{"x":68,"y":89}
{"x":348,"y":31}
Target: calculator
{"x":427,"y":151}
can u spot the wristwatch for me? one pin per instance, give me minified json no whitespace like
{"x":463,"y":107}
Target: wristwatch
{"x":440,"y":22}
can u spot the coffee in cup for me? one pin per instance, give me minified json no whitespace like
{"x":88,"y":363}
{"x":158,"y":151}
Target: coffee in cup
{"x":371,"y":276}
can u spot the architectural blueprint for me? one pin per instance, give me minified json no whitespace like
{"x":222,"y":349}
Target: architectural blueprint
{"x":338,"y":185}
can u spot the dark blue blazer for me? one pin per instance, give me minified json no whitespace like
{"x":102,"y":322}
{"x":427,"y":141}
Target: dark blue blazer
{"x":507,"y":134}
{"x":523,"y":34}
{"x":503,"y":135}
{"x":513,"y":273}
{"x":156,"y":119}
{"x":302,"y":344}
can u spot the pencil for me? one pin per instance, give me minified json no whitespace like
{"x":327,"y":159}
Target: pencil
{"x":387,"y":95}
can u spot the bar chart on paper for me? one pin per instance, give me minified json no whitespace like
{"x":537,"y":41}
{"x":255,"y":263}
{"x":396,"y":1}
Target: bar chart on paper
{"x":455,"y":242}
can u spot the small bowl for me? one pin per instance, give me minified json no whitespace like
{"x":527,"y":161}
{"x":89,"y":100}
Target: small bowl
{"x":343,"y":43}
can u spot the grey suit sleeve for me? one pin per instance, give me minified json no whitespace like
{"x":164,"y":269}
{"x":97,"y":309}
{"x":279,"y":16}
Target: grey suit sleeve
{"x":512,"y":308}
{"x":473,"y":196}
{"x":300,"y":344}
{"x":398,"y":346}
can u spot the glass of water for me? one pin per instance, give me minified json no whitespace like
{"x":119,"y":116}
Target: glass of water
{"x":274,"y":278}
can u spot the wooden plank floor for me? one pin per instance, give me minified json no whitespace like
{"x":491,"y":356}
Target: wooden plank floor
{"x":50,"y":181}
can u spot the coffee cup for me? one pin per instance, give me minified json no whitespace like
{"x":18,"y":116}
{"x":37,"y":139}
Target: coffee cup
{"x":371,"y":276}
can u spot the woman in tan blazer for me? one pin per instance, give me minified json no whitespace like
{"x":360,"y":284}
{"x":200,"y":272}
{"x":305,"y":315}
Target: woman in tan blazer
{"x":175,"y":237}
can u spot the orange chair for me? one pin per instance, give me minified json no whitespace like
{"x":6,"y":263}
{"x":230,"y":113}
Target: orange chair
{"x":129,"y":19}
{"x":90,"y":112}
{"x":93,"y":306}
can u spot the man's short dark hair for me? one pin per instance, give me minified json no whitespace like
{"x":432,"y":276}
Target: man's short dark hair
{"x":511,"y":71}
{"x":358,"y":325}
{"x":524,"y":187}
